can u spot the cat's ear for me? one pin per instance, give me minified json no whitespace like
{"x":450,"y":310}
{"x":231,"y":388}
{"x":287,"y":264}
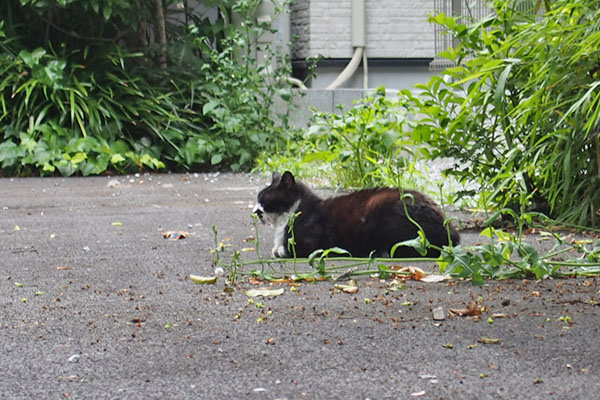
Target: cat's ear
{"x":276,"y":177}
{"x":287,"y":180}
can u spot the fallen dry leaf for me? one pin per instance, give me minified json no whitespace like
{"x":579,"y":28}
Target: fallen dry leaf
{"x":282,"y":280}
{"x":203,"y":280}
{"x":415,"y":273}
{"x":350,"y":287}
{"x":418,"y":274}
{"x":264,"y":292}
{"x":434,"y":278}
{"x":485,"y":340}
{"x":471,"y":310}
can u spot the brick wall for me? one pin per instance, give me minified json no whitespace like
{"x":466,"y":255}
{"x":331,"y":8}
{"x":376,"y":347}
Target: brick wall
{"x":395,"y":28}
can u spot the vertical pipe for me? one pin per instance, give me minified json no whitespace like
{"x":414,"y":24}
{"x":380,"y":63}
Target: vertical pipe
{"x":359,"y":36}
{"x":358,"y":42}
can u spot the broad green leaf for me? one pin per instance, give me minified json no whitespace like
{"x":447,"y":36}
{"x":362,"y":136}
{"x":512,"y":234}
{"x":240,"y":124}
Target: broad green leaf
{"x":209,"y":107}
{"x":78,"y":158}
{"x":32,"y":59}
{"x":116,"y":158}
{"x":216,"y":159}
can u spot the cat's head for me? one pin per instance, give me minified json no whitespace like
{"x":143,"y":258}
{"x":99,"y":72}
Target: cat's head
{"x":277,"y":199}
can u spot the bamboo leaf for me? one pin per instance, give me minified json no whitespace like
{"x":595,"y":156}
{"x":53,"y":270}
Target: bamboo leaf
{"x":500,"y":87}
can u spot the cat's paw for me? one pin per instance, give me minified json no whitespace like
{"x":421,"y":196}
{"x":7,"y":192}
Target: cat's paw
{"x":279,"y":252}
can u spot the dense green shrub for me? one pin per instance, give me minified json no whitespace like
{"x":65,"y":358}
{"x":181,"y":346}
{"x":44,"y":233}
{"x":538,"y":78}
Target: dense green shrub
{"x":520,"y":112}
{"x":370,"y":144}
{"x":83,"y":88}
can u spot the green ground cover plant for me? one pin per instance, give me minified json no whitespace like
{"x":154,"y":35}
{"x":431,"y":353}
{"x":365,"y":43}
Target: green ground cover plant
{"x":91,"y":86}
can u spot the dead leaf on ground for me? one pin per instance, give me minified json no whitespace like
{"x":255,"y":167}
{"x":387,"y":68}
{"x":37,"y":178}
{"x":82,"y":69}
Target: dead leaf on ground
{"x":405,"y":272}
{"x":264,"y":292}
{"x":472,"y":310}
{"x":434,"y":278}
{"x":418,"y":274}
{"x":485,"y":340}
{"x":203,"y":280}
{"x":350,"y":287}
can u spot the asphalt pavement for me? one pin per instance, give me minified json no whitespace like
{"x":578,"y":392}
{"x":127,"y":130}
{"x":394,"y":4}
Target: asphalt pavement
{"x":96,"y":304}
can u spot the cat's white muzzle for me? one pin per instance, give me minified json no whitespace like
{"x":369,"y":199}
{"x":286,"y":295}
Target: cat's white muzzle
{"x":259,"y":211}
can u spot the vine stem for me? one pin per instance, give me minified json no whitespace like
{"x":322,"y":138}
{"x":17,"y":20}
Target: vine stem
{"x":573,"y":264}
{"x":332,"y":259}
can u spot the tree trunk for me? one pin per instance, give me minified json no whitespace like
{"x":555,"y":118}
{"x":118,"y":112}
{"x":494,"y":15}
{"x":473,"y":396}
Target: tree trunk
{"x":161,"y":33}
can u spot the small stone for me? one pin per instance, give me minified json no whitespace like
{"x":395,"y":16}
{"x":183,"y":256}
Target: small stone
{"x":74,"y":358}
{"x":439,"y":314}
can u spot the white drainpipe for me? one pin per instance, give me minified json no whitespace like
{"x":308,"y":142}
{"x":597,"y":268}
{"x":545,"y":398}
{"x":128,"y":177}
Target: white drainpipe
{"x":359,"y":42}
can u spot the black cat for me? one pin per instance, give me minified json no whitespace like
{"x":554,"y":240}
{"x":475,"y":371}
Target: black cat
{"x":371,"y":220}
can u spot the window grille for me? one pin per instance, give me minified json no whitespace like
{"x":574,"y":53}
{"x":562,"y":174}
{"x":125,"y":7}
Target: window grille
{"x":464,"y":10}
{"x":468,"y":11}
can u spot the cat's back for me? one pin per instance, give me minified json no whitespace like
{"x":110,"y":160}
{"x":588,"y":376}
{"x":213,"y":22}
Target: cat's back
{"x":372,"y":200}
{"x":354,"y":209}
{"x":373,"y":211}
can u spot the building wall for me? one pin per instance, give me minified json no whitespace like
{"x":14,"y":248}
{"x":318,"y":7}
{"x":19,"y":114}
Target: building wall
{"x":394,"y":78}
{"x":395,"y":28}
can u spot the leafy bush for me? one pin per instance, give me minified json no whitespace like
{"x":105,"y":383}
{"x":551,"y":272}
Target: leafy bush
{"x":520,"y":112}
{"x":83,"y":89}
{"x":371,"y":144}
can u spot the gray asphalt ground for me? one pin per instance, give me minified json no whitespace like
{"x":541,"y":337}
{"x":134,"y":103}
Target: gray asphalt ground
{"x":96,"y":304}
